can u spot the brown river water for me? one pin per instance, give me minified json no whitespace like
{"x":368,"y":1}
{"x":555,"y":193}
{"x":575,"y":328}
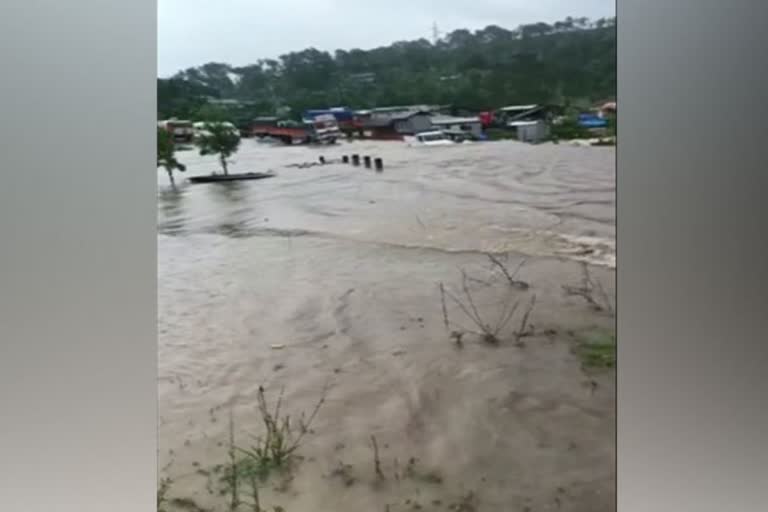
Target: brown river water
{"x":329,"y":276}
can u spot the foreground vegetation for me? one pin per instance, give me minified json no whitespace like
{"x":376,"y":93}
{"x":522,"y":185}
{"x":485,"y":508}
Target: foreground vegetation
{"x":273,"y":453}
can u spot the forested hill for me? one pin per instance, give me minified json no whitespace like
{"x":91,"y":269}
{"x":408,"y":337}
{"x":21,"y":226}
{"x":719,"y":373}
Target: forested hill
{"x":573,"y":61}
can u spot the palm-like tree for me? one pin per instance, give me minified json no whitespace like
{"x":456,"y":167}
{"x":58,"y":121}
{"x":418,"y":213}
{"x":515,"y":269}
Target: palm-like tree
{"x":166,"y":155}
{"x":219,"y":139}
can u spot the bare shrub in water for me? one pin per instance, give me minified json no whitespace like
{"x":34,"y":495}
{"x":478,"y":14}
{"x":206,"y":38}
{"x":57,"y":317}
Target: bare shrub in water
{"x":490,"y":331}
{"x":591,"y":291}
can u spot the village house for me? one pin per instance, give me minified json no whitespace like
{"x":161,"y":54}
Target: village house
{"x":385,"y":125}
{"x":515,"y":113}
{"x":530,"y":123}
{"x":457,"y":127}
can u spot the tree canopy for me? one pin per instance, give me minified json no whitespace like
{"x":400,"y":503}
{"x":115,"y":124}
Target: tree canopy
{"x":218,"y":139}
{"x":166,"y":154}
{"x":570,"y":61}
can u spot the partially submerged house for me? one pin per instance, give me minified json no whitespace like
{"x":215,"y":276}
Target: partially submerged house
{"x":530,"y":131}
{"x":395,"y":125}
{"x":530,"y":123}
{"x":513,"y":113}
{"x":459,"y":127}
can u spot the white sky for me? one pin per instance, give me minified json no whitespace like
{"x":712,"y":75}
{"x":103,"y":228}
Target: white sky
{"x":239,"y":32}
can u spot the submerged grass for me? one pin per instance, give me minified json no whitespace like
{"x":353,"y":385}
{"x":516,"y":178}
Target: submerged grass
{"x":597,"y":350}
{"x":276,"y":448}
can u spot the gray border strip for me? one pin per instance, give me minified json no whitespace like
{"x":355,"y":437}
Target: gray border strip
{"x":78,"y":274}
{"x":77,"y":309}
{"x":691,"y":322}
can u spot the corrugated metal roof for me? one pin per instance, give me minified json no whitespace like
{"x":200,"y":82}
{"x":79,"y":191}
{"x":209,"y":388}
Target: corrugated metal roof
{"x":454,"y":120}
{"x":522,"y":123}
{"x":518,"y":107}
{"x":378,"y":121}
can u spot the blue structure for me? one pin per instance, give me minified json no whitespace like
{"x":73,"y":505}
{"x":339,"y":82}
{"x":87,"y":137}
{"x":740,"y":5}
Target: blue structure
{"x":592,"y":121}
{"x":342,"y":114}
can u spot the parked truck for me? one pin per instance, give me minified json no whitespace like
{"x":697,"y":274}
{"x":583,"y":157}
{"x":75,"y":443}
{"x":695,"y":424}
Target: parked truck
{"x":322,"y":129}
{"x":182,"y":131}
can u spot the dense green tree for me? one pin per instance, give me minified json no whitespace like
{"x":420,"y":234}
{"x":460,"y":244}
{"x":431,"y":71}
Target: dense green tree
{"x":218,"y":139}
{"x":487,"y":68}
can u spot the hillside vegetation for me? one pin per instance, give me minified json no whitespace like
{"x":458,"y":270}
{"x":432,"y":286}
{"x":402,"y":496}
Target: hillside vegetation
{"x":568,"y":62}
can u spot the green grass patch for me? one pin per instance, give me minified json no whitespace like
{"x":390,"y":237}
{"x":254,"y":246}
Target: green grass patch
{"x":597,"y":350}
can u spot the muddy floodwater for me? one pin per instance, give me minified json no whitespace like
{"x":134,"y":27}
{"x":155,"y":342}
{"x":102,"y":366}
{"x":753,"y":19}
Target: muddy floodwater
{"x":325,"y":281}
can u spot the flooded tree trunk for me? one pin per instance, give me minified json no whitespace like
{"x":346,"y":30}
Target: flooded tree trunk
{"x":170,"y":177}
{"x":223,"y":164}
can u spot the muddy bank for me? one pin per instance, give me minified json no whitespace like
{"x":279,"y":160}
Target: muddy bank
{"x":339,"y":267}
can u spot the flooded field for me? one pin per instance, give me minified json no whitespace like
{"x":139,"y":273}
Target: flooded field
{"x":325,"y":281}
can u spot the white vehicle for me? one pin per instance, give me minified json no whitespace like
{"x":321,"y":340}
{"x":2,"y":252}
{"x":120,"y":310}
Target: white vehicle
{"x":433,"y":138}
{"x":199,"y":128}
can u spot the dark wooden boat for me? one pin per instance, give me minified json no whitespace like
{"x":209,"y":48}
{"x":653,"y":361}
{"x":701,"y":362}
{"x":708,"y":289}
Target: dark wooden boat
{"x":221,"y":178}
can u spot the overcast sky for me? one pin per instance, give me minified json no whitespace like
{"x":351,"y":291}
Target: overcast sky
{"x":239,"y":32}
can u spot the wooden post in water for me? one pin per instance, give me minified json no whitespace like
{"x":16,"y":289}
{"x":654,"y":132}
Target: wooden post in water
{"x":355,"y":160}
{"x":345,"y":159}
{"x":379,"y":163}
{"x":367,"y":161}
{"x":322,"y":160}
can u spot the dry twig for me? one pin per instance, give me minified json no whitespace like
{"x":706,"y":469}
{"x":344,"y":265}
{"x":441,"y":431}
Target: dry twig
{"x":511,"y":278}
{"x":522,"y":330}
{"x":376,"y":459}
{"x":587,"y":291}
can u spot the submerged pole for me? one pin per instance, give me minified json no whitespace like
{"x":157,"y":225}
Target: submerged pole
{"x":379,"y":163}
{"x":355,"y":160}
{"x":322,"y":160}
{"x":367,"y":161}
{"x":345,"y":159}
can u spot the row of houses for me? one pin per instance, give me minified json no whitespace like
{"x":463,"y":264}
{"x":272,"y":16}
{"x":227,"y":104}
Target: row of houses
{"x":528,"y":122}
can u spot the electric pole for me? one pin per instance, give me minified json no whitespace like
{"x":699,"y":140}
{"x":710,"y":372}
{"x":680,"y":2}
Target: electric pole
{"x":435,"y":33}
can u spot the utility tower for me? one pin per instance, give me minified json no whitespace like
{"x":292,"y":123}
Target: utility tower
{"x":435,"y":33}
